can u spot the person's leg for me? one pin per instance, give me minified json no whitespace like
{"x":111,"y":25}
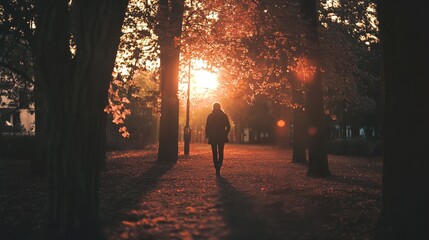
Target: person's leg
{"x":220,"y":159}
{"x":215,"y":155}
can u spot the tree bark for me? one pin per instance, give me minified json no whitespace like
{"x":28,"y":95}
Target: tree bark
{"x":405,"y":37}
{"x":169,"y":32}
{"x":76,"y":95}
{"x":317,"y":153}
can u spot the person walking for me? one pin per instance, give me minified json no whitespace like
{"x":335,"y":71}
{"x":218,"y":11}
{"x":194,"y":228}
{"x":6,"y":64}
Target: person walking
{"x":217,"y":129}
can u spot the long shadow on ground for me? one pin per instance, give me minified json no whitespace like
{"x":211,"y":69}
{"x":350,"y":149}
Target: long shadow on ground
{"x":128,"y":191}
{"x":239,"y":214}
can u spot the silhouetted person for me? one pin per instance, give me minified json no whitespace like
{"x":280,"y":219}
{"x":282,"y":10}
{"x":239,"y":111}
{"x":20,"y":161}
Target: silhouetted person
{"x":217,"y":129}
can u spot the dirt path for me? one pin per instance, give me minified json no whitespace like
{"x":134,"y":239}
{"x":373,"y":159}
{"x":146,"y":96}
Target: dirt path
{"x":260,"y":195}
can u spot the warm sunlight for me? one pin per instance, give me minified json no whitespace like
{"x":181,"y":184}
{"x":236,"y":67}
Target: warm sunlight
{"x":204,"y":81}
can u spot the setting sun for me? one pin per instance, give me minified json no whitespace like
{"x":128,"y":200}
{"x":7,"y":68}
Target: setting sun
{"x":204,"y":81}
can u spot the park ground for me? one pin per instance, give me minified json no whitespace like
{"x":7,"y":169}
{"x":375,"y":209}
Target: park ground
{"x":259,"y":195}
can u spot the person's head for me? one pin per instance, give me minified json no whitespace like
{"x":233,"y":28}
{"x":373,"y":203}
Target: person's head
{"x":216,"y":106}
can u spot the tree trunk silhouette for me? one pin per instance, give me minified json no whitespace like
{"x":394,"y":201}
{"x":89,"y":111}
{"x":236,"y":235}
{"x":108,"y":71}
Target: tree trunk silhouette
{"x":170,"y":16}
{"x":317,"y":153}
{"x":38,"y":162}
{"x":405,"y":37}
{"x":76,"y":95}
{"x":299,"y":154}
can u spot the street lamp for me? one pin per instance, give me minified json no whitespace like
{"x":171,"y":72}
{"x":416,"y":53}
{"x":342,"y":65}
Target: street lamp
{"x":187,"y":129}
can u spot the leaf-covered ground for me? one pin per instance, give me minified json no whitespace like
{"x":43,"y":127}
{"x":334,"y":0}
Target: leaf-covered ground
{"x":260,"y":195}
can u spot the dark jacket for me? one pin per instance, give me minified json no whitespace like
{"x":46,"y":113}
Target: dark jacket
{"x":217,"y":127}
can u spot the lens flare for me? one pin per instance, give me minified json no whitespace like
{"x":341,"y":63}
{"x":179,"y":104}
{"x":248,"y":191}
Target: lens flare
{"x":281,"y":123}
{"x":204,"y":81}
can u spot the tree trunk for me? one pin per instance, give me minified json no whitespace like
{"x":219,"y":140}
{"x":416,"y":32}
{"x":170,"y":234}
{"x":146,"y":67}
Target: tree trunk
{"x":405,"y":38}
{"x":170,"y":31}
{"x":169,"y":120}
{"x":38,"y":162}
{"x":317,"y":154}
{"x":73,"y":173}
{"x":299,"y":154}
{"x":76,"y":97}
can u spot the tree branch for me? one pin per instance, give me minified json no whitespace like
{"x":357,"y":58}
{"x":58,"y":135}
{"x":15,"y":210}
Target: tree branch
{"x":17,"y":71}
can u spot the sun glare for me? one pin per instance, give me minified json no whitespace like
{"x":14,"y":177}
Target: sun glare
{"x":204,"y":81}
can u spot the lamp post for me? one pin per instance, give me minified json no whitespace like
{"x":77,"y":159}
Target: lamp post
{"x":187,"y":129}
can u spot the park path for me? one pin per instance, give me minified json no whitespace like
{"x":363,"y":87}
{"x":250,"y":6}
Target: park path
{"x":260,"y":195}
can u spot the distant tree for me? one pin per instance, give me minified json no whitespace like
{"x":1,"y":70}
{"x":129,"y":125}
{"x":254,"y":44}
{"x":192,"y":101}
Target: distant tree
{"x":169,"y":31}
{"x":16,"y":46}
{"x":286,"y":28}
{"x":16,"y":70}
{"x":137,"y":53}
{"x":18,"y":33}
{"x":351,"y":53}
{"x":261,"y":119}
{"x":299,"y":138}
{"x":138,"y":99}
{"x":76,"y":51}
{"x":359,"y":17}
{"x":405,"y":37}
{"x":317,"y":153}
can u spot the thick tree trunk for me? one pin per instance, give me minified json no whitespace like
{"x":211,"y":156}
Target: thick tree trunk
{"x":76,"y":97}
{"x":405,"y":38}
{"x":73,"y":172}
{"x":170,"y":30}
{"x":169,"y":121}
{"x":317,"y":153}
